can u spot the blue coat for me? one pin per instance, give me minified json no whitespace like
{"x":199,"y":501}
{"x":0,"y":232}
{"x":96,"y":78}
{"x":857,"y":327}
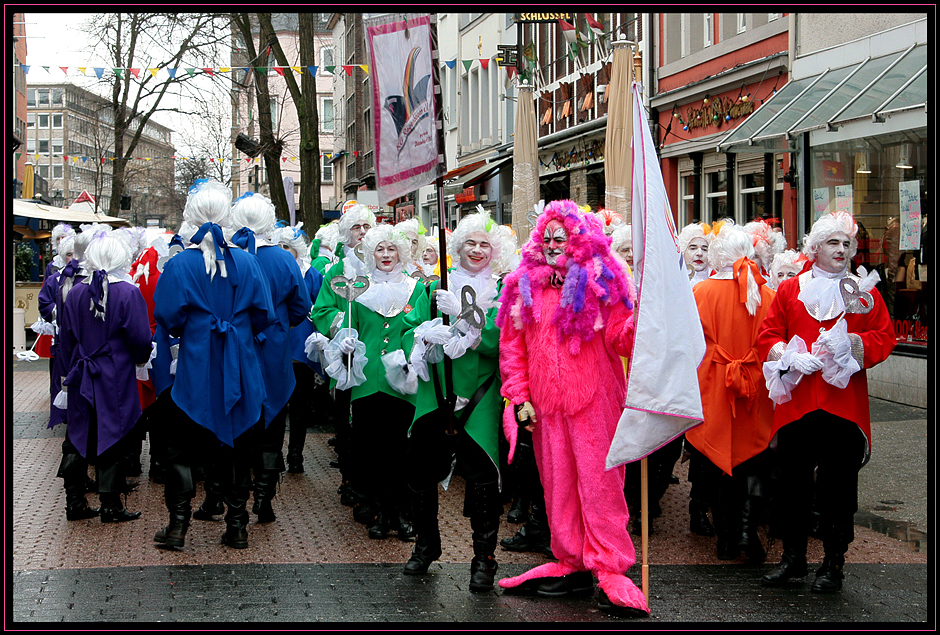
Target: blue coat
{"x":291,"y":301}
{"x":100,"y":356}
{"x":218,"y":368}
{"x":299,"y":334}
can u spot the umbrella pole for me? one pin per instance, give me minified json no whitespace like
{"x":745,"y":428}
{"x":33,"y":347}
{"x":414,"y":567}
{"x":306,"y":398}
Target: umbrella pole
{"x":645,"y":522}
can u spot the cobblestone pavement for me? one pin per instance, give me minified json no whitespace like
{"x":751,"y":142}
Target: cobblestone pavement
{"x":316,"y":564}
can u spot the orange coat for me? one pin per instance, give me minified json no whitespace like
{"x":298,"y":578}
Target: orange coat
{"x":738,"y":412}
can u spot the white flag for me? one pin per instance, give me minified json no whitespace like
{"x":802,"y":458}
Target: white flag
{"x":663,"y":398}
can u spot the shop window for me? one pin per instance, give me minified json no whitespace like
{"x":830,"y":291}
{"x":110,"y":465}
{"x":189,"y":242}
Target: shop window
{"x":752,"y":198}
{"x":716,"y":195}
{"x":687,"y":201}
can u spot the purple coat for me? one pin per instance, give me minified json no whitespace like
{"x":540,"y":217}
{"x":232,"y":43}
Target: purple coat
{"x":100,"y":356}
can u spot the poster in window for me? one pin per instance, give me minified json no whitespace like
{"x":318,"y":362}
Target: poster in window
{"x":844,"y":198}
{"x":909,"y":195}
{"x":820,"y":201}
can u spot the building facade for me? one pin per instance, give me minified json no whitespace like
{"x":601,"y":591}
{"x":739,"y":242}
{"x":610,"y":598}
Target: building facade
{"x":70,"y":140}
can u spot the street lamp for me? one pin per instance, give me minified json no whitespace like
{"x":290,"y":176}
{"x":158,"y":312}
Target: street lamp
{"x":58,"y":199}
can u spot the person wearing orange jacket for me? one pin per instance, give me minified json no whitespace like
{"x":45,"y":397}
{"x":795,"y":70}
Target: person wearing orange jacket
{"x":729,"y":458}
{"x":824,"y":328}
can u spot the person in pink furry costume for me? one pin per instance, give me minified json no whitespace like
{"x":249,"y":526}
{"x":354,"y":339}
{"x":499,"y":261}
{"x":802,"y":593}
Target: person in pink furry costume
{"x":565,"y":319}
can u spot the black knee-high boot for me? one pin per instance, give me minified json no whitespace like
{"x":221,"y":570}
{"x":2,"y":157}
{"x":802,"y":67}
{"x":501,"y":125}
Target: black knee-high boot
{"x":484,"y":508}
{"x":212,"y":506}
{"x":73,"y":470}
{"x":236,"y":519}
{"x":428,"y":540}
{"x":111,"y":484}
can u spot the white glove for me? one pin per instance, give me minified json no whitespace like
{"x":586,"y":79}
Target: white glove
{"x":438,"y":334}
{"x":459,"y":344}
{"x":347,"y":345}
{"x":806,"y":363}
{"x":836,"y":340}
{"x":316,"y":341}
{"x":447,"y":302}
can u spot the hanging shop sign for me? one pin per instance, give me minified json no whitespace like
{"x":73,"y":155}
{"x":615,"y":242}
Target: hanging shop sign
{"x":718,"y":112}
{"x":529,"y":18}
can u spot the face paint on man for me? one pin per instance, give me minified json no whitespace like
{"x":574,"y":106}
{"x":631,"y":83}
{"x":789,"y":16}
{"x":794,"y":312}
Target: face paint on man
{"x":386,"y":256}
{"x":554,"y":242}
{"x":694,"y":254}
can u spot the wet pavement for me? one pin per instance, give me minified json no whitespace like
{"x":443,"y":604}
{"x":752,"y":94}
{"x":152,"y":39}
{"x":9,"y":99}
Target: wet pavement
{"x":316,"y":564}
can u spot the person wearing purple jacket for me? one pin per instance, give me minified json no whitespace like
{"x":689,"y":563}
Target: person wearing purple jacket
{"x":105,"y":333}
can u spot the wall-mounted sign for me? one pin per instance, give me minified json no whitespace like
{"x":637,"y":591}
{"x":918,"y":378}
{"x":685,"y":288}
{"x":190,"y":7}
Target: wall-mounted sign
{"x":718,"y":112}
{"x":506,"y":55}
{"x":528,"y":18}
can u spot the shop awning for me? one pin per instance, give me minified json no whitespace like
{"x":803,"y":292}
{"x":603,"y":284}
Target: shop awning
{"x":29,"y":209}
{"x":875,"y":88}
{"x":469,"y":179}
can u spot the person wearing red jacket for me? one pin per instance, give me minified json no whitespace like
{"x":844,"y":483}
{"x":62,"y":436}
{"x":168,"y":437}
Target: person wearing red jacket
{"x":824,"y":328}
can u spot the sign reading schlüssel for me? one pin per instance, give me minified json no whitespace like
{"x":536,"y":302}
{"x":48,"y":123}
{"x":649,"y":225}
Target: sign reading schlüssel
{"x":543,"y":17}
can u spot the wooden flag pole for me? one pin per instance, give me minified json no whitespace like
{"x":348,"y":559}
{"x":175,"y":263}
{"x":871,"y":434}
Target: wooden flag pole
{"x":645,"y":517}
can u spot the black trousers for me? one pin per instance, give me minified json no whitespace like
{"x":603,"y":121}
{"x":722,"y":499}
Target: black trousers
{"x":307,"y":399}
{"x":659,"y":468}
{"x":380,"y":441}
{"x":833,"y":448}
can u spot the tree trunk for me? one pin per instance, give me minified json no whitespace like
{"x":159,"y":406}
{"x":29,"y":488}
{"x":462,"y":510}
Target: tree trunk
{"x":310,"y":203}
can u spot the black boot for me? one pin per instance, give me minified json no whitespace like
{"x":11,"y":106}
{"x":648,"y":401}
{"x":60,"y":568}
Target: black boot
{"x":484,"y":509}
{"x":534,"y":535}
{"x":698,"y":519}
{"x":212,"y":506}
{"x":76,"y":505}
{"x":295,"y":462}
{"x":749,"y":541}
{"x":428,"y":535}
{"x":173,"y":536}
{"x":113,"y":510}
{"x":236,"y":519}
{"x":265,"y":484}
{"x":792,"y":564}
{"x":519,"y":510}
{"x":829,"y":576}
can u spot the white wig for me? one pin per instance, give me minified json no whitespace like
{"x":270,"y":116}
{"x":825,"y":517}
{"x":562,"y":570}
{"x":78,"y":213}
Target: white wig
{"x":731,"y":244}
{"x":294,"y":237}
{"x":826,"y":226}
{"x":691,"y":232}
{"x":621,"y":236}
{"x":59,"y":232}
{"x":135,"y":238}
{"x":112,"y":255}
{"x":481,"y":222}
{"x":208,"y":202}
{"x":328,"y":235}
{"x":789,"y":260}
{"x":256,"y":212}
{"x":89,"y":232}
{"x":356,"y":214}
{"x":412,"y":228}
{"x":767,"y":242}
{"x":66,"y":245}
{"x":381,"y":234}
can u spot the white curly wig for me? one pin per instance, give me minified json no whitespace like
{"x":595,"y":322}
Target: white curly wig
{"x":66,"y":245}
{"x":88,"y":233}
{"x":328,"y":235}
{"x":135,"y":238}
{"x":621,"y":236}
{"x":481,"y":222}
{"x":731,"y":244}
{"x":385,"y":233}
{"x":412,"y":228}
{"x":357,"y":213}
{"x":789,"y":260}
{"x":826,"y":226}
{"x":294,"y":237}
{"x":208,"y":202}
{"x":59,"y":232}
{"x":254,"y":211}
{"x":767,"y":242}
{"x":692,"y":231}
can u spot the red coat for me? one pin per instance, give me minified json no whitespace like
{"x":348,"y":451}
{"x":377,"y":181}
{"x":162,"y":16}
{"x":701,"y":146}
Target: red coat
{"x":788,"y":317}
{"x":144,"y":269}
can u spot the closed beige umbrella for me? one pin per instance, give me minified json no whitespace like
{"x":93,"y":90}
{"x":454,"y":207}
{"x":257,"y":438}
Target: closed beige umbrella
{"x":618,"y":154}
{"x":29,"y":181}
{"x":525,"y":162}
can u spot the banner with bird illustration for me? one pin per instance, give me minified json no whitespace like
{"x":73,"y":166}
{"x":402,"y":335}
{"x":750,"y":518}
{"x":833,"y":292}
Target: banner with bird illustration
{"x":405,"y":114}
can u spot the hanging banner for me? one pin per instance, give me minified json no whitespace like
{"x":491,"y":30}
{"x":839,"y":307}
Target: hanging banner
{"x":406,"y":139}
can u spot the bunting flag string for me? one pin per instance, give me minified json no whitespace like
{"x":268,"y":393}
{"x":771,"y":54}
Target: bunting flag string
{"x":35,"y":156}
{"x":211,"y":71}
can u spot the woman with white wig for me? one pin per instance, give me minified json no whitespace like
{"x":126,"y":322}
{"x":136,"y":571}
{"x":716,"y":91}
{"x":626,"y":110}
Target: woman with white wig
{"x":252,"y":223}
{"x":323,"y":247}
{"x":105,"y":334}
{"x":622,"y":244}
{"x":824,"y":328}
{"x":59,"y":232}
{"x":479,"y":251}
{"x":693,"y":243}
{"x":414,"y":230}
{"x":370,"y":342}
{"x":215,"y":298}
{"x":787,"y":264}
{"x":327,"y":316}
{"x":730,"y":463}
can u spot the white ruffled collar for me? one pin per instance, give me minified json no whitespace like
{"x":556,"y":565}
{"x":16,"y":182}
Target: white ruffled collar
{"x":388,"y":292}
{"x":483,"y":284}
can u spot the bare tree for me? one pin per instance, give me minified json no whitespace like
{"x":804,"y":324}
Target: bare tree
{"x":141,"y":41}
{"x":305,"y":101}
{"x":271,"y":145}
